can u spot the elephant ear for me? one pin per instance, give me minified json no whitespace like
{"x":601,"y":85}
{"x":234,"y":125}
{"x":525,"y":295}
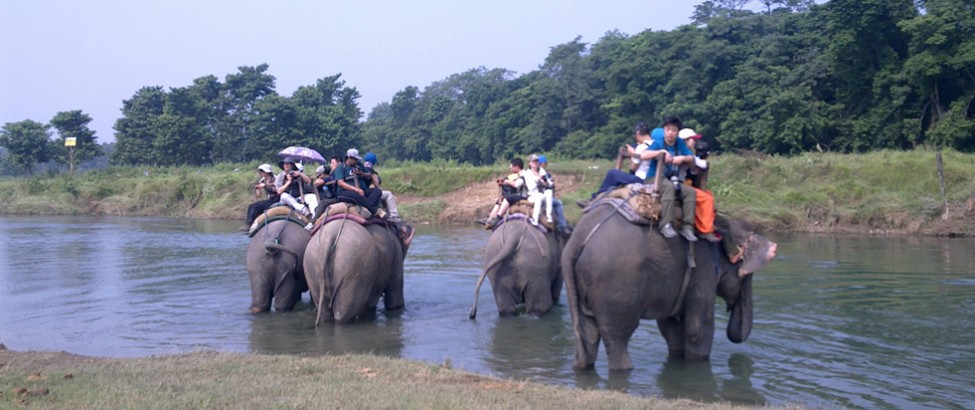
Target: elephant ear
{"x":740,"y":322}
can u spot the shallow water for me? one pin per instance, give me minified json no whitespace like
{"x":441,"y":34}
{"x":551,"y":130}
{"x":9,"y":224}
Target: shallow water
{"x":840,"y":321}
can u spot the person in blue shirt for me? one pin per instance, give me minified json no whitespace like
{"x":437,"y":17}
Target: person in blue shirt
{"x":353,"y":183}
{"x":675,"y":153}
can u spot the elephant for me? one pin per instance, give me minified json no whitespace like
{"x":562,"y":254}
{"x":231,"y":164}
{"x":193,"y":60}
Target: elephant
{"x":617,"y":273}
{"x":523,"y":265}
{"x":274,"y":265}
{"x":350,"y":265}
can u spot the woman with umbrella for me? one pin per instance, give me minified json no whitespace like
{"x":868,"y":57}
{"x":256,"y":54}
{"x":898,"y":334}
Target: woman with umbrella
{"x":291,"y":185}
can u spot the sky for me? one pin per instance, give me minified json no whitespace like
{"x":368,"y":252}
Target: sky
{"x":91,"y":55}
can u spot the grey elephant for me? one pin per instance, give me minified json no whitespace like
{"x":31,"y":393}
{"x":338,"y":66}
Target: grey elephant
{"x":349,"y":266}
{"x":274,"y":265}
{"x":523,"y":265}
{"x":617,"y":273}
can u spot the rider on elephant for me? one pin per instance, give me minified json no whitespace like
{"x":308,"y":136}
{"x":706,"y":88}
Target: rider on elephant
{"x":512,"y":191}
{"x":293,"y":185}
{"x":265,"y":194}
{"x":675,"y":153}
{"x":561,"y":225}
{"x":615,"y":177}
{"x":369,"y":161}
{"x":704,"y":212}
{"x":353,"y":183}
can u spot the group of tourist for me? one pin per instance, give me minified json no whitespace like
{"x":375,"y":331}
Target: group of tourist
{"x":535,"y":185}
{"x":352,"y":178}
{"x":684,"y":161}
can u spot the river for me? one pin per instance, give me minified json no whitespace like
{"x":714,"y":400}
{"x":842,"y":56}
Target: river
{"x":868,"y":322}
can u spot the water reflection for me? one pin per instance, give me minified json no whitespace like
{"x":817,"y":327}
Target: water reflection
{"x":295,"y":333}
{"x":528,"y":347}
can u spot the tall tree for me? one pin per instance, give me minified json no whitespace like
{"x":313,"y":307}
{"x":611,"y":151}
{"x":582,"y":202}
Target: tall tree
{"x":135,"y":131}
{"x":242,"y":91}
{"x":27,"y":143}
{"x":74,"y":124}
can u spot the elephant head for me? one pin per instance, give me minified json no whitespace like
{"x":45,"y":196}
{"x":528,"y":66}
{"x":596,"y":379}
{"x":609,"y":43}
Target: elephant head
{"x":735,"y":283}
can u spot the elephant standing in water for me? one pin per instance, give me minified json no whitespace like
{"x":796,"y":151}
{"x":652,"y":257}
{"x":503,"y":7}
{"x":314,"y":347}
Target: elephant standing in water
{"x":274,"y":265}
{"x":349,"y":266}
{"x":523,"y":265}
{"x":617,"y":273}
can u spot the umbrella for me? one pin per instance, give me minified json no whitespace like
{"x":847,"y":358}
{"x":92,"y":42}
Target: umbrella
{"x":302,"y":153}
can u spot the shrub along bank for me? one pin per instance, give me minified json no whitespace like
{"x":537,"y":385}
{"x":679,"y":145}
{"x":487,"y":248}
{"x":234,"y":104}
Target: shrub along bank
{"x":877,"y":192}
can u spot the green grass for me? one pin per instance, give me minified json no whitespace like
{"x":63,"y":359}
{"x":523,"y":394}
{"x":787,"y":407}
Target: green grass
{"x":231,"y":381}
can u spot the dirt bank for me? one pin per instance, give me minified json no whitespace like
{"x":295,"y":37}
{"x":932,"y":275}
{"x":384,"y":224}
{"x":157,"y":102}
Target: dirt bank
{"x":475,"y":201}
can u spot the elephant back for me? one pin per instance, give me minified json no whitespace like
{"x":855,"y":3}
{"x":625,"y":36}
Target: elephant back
{"x":280,"y":212}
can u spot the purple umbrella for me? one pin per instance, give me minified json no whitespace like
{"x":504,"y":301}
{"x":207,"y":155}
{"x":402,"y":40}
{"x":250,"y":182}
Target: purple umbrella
{"x":302,"y":153}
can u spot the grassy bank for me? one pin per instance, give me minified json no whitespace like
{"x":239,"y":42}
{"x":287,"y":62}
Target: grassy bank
{"x":878,"y":192}
{"x":222,"y":380}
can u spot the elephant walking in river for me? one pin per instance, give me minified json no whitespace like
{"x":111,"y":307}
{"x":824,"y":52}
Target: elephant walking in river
{"x":274,"y":265}
{"x":617,"y":273}
{"x":523,"y":265}
{"x":349,"y":266}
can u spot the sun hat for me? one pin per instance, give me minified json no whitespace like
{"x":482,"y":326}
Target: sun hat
{"x":532,"y":157}
{"x":265,"y":168}
{"x":354,"y":153}
{"x":689,"y":133}
{"x":292,"y":160}
{"x":542,"y":159}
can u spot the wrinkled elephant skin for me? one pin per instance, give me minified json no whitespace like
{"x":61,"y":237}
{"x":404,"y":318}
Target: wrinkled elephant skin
{"x":275,"y":266}
{"x":522,"y":264}
{"x":349,"y":267}
{"x":627,"y":272}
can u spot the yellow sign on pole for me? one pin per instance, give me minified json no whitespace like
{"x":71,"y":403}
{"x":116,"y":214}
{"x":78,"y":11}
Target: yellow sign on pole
{"x":70,"y":141}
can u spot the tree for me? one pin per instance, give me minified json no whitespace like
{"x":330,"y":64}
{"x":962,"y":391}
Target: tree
{"x":27,"y":143}
{"x":240,"y":95}
{"x":74,"y":124}
{"x":135,"y":131}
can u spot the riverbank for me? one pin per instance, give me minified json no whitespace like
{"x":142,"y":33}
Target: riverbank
{"x":57,"y":380}
{"x":883,"y":192}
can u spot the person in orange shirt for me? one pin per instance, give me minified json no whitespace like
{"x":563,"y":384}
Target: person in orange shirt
{"x":704,"y":212}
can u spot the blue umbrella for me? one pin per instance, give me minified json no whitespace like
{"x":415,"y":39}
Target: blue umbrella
{"x":302,"y":153}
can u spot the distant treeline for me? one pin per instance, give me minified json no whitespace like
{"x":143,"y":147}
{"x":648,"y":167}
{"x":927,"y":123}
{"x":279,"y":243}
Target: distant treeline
{"x":794,"y":76}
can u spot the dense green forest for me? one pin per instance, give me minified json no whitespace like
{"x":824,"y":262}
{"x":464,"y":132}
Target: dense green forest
{"x":776,"y":76}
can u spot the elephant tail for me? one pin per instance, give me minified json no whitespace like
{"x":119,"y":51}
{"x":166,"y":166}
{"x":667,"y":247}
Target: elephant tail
{"x":271,"y":248}
{"x":508,"y":249}
{"x":326,"y":272}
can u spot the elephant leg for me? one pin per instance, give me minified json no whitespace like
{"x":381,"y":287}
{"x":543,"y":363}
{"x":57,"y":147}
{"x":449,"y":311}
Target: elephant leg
{"x":587,"y":342}
{"x":557,"y":287}
{"x":538,"y":301}
{"x":616,"y":336}
{"x":393,"y":295}
{"x":261,"y":293}
{"x":698,"y":326}
{"x":287,"y":294}
{"x":505,"y":299}
{"x":672,"y":331}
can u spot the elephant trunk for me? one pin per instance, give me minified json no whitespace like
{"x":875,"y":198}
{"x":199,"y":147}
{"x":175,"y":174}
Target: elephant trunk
{"x":740,"y":322}
{"x":506,"y":251}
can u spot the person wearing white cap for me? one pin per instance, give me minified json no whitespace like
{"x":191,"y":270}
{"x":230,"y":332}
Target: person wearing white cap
{"x":353,"y":183}
{"x":265,"y":193}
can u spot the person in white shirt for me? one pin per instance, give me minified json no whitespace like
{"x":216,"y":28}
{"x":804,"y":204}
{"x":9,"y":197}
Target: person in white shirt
{"x":538,"y":195}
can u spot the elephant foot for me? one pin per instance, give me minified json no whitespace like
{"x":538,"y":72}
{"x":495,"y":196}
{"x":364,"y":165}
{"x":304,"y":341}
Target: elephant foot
{"x":257,"y":309}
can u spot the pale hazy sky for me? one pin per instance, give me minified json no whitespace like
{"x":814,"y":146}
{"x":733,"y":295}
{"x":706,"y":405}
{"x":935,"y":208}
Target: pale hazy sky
{"x":90,"y":55}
